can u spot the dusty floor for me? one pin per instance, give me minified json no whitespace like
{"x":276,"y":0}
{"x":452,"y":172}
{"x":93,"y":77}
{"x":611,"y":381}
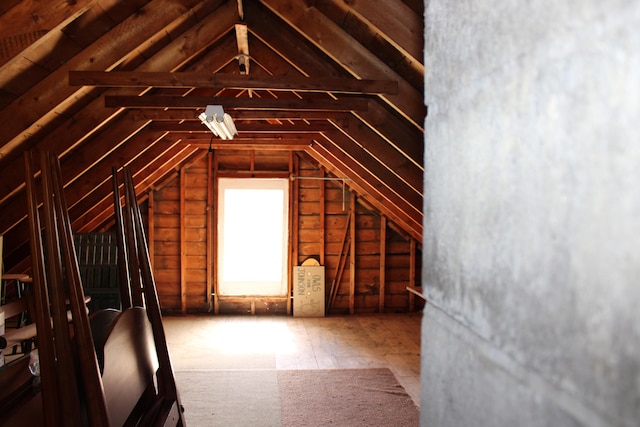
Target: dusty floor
{"x":280,"y":342}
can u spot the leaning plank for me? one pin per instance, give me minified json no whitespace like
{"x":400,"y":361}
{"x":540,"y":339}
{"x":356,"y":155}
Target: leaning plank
{"x":67,"y":377}
{"x":166,"y":380}
{"x":85,"y":355}
{"x":352,"y":258}
{"x":132,"y":245}
{"x":48,"y":376}
{"x":123,"y":264}
{"x":344,"y":252}
{"x":383,"y":263}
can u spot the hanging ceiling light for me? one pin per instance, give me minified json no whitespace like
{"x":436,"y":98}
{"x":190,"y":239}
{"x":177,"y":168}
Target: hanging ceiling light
{"x":219,"y":122}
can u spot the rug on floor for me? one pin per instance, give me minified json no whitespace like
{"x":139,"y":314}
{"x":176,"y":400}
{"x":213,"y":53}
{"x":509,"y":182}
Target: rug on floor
{"x":344,"y":397}
{"x":295,"y":398}
{"x":230,"y":398}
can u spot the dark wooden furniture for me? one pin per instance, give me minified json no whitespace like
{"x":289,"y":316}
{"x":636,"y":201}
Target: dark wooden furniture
{"x":17,"y":332}
{"x":108,"y":370}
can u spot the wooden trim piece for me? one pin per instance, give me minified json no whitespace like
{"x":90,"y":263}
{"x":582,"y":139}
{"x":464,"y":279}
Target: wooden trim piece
{"x":231,"y":81}
{"x":352,"y":258}
{"x":210,"y":233}
{"x":383,"y":262}
{"x":412,"y":273}
{"x":214,"y":214}
{"x":183,"y":244}
{"x":420,"y":294}
{"x":252,"y":174}
{"x":151,"y":225}
{"x":244,"y":298}
{"x":322,"y":215}
{"x":294,"y":223}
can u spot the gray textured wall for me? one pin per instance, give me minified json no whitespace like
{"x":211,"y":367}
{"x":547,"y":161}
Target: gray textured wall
{"x":532,"y":213}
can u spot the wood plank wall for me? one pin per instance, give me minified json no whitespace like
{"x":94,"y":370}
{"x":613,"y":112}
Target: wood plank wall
{"x":384,"y":257}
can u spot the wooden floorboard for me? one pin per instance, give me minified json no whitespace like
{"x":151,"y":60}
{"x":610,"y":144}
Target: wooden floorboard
{"x":282,"y":342}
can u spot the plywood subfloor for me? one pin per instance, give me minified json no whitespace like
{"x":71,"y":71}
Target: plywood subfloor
{"x":282,"y":342}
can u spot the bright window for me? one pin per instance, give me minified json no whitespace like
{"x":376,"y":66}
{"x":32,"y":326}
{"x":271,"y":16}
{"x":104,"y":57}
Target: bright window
{"x":253,"y":236}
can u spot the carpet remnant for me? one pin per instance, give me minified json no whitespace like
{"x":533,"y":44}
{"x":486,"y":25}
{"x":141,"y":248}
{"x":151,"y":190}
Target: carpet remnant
{"x":344,"y":397}
{"x":229,"y":398}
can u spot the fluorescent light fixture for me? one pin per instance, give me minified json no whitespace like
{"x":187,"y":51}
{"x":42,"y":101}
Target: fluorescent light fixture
{"x":218,"y":122}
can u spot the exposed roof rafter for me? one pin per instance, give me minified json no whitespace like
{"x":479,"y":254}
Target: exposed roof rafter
{"x":111,"y":83}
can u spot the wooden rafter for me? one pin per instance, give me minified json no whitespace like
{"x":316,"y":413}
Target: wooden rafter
{"x":380,"y":176}
{"x":357,"y":59}
{"x":339,"y":164}
{"x":299,"y":49}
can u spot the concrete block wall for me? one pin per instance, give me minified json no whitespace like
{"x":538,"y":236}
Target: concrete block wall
{"x":532,"y":213}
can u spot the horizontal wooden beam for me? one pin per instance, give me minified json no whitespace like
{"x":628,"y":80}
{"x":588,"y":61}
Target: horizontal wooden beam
{"x":249,"y":144}
{"x":167,"y":101}
{"x":231,"y":81}
{"x":175,"y":114}
{"x":193,"y":126}
{"x":247,"y":137}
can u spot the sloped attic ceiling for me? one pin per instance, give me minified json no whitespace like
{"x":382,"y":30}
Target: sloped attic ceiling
{"x":341,"y":80}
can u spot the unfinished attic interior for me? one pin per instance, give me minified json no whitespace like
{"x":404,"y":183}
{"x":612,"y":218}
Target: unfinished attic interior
{"x":115,"y":84}
{"x":324,"y":168}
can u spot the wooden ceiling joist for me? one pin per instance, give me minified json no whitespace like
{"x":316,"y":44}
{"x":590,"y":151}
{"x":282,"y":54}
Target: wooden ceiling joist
{"x":192,"y":126}
{"x":247,"y":138}
{"x":167,"y":101}
{"x":178,"y":115}
{"x":250,"y":144}
{"x":231,"y":81}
